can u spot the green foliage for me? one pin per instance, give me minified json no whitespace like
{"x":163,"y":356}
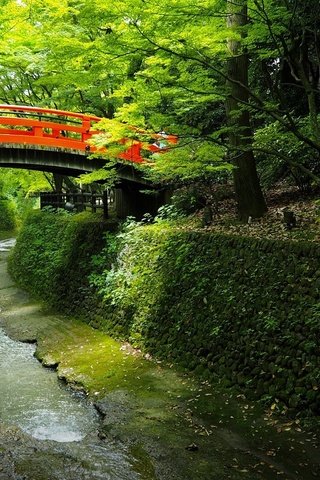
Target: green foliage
{"x":151,"y":259}
{"x":161,"y":66}
{"x":7,"y":215}
{"x":244,"y":309}
{"x":25,"y":182}
{"x":191,"y":160}
{"x":53,"y":253}
{"x":169,"y":212}
{"x":54,"y":53}
{"x":129,"y":273}
{"x":275,"y":148}
{"x":197,"y":299}
{"x":18,"y":187}
{"x":189,"y":199}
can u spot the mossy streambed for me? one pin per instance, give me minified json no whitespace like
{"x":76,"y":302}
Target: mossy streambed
{"x":156,"y":423}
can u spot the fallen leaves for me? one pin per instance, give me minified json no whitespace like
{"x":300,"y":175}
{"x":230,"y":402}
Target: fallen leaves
{"x":271,"y":226}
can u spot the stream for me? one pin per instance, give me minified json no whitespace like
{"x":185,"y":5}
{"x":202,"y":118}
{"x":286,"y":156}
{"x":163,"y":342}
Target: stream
{"x":32,"y":399}
{"x":153,"y":423}
{"x":47,"y":431}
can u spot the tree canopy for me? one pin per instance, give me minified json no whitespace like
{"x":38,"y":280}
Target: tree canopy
{"x":238,"y":82}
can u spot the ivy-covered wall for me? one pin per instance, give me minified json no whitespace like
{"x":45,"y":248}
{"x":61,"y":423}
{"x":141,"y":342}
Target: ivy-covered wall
{"x":242,"y":309}
{"x":52,"y":257}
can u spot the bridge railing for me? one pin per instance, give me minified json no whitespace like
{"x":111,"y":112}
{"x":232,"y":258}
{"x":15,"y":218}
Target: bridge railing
{"x":60,"y":129}
{"x":79,"y":201}
{"x":46,"y":127}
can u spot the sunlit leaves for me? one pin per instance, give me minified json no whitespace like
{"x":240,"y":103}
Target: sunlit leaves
{"x":157,"y":64}
{"x":107,"y":175}
{"x":25,"y":182}
{"x":192,"y":160}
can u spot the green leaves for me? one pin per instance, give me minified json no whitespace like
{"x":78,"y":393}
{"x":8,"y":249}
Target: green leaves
{"x":161,"y":66}
{"x":189,"y":160}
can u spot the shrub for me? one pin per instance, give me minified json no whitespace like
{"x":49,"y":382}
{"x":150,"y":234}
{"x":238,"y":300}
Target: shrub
{"x":282,"y":144}
{"x":7,"y":215}
{"x":52,"y":255}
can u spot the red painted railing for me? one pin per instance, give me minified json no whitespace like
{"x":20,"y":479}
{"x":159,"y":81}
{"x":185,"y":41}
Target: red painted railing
{"x":47,"y":127}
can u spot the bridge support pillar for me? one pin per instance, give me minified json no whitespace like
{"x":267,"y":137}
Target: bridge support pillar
{"x":58,"y":182}
{"x":132,"y":200}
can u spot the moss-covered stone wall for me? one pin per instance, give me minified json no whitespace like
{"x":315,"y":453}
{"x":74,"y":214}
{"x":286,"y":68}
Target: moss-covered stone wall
{"x":243,"y":310}
{"x":52,"y":258}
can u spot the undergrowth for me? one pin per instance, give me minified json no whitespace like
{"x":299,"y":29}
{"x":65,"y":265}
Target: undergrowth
{"x":244,"y":310}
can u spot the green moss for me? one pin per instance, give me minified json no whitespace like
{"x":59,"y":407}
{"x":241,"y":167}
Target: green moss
{"x":142,"y":465}
{"x":184,"y":296}
{"x":52,"y":257}
{"x":5,"y":234}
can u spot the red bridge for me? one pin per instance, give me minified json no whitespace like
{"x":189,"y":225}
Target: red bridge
{"x":29,"y":134}
{"x":58,"y":141}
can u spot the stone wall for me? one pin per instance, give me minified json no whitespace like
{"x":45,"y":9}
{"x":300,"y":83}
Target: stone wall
{"x":242,"y":310}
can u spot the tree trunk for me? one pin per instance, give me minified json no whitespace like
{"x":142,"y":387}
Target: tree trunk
{"x":301,"y":65}
{"x":250,"y":199}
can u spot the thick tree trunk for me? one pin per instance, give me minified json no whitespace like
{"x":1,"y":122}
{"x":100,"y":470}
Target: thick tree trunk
{"x":250,"y":199}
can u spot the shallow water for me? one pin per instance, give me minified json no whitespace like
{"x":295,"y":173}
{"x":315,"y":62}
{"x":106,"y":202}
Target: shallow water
{"x":6,"y":245}
{"x":32,"y":398}
{"x":47,"y":431}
